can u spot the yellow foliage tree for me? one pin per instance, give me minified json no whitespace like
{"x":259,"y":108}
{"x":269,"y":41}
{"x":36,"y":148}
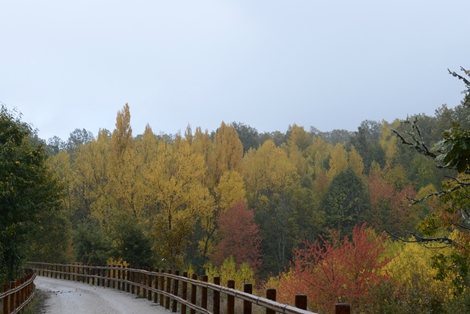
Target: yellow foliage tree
{"x":227,"y":152}
{"x":338,"y":161}
{"x":413,"y":269}
{"x":355,"y":162}
{"x":182,"y":199}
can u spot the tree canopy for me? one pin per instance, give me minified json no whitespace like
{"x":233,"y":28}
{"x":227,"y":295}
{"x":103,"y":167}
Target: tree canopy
{"x":29,"y":189}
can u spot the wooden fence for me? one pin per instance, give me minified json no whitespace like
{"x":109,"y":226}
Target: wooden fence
{"x":18,"y":293}
{"x":173,"y":291}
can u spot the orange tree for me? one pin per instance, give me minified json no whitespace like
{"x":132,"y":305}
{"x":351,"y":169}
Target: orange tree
{"x":335,"y":270}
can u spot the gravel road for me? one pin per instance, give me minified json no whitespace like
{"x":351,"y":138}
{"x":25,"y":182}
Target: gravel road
{"x":70,"y":297}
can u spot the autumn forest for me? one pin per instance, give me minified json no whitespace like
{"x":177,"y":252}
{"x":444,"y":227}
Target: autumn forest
{"x":338,"y":215}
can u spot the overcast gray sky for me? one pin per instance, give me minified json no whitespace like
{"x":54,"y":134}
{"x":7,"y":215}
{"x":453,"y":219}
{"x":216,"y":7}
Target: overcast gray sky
{"x":268,"y":64}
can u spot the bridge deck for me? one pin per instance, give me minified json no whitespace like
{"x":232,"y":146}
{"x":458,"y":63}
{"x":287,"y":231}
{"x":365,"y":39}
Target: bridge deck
{"x":66,"y":297}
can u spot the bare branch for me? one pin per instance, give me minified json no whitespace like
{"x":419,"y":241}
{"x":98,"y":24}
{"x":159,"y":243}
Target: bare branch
{"x":423,"y":240}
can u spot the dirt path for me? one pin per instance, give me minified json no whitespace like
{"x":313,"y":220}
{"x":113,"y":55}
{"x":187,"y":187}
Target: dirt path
{"x":70,"y":297}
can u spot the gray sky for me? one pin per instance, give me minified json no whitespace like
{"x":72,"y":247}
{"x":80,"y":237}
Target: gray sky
{"x":268,"y":64}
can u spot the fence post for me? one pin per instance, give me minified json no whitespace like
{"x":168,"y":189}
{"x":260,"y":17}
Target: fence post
{"x":230,"y":298}
{"x":270,"y":295}
{"x":168,"y":290}
{"x":216,"y":297}
{"x":301,"y":301}
{"x":175,"y":291}
{"x":144,"y":283}
{"x":127,"y":276}
{"x":155,"y":285}
{"x":149,"y":284}
{"x":342,"y":308}
{"x":193,"y":293}
{"x":12,"y":296}
{"x":162,"y":286}
{"x":184,"y":293}
{"x":137,"y":281}
{"x":6,"y":299}
{"x":247,"y":288}
{"x":204,"y":293}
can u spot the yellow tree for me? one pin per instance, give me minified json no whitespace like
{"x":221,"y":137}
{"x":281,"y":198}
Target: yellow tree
{"x":182,"y":199}
{"x":123,"y":165}
{"x":297,"y":147}
{"x":271,"y":182}
{"x":414,"y":270}
{"x":223,"y":180}
{"x":91,"y":177}
{"x":388,"y":141}
{"x":338,"y":161}
{"x":146,"y":157}
{"x":202,"y":144}
{"x":227,"y":193}
{"x":355,"y":162}
{"x":227,"y":152}
{"x":60,"y":164}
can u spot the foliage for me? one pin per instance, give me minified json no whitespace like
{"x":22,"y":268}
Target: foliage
{"x":433,"y":281}
{"x":28,"y":188}
{"x":345,"y":202}
{"x":239,"y":237}
{"x":91,"y":244}
{"x":230,"y":271}
{"x":335,"y":271}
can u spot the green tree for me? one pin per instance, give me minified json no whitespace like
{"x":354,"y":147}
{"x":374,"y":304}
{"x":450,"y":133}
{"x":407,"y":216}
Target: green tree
{"x":345,"y":202}
{"x":28,"y":188}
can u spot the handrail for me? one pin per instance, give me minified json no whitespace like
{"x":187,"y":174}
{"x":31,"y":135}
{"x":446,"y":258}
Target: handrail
{"x":18,"y":293}
{"x":165,"y":285}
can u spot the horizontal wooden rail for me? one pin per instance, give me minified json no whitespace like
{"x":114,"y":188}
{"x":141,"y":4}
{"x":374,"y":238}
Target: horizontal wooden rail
{"x":165,"y":286}
{"x":18,"y":293}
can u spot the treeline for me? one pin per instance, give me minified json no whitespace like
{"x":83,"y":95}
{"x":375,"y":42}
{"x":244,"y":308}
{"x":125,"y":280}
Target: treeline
{"x":164,"y":200}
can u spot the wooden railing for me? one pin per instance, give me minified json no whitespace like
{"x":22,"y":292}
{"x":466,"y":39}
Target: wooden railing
{"x":17,"y":294}
{"x":171,"y":290}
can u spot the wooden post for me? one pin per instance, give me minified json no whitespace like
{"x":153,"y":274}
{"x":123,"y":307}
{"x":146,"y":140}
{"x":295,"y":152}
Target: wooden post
{"x":216,"y":297}
{"x":22,"y":292}
{"x":12,"y":296}
{"x":247,"y":288}
{"x":204,"y":293}
{"x":193,"y":293}
{"x":343,"y":308}
{"x":113,"y":275}
{"x":132,"y":279}
{"x":175,"y":292}
{"x":137,"y":281}
{"x":88,"y":278}
{"x":162,"y":286}
{"x":144,"y":283}
{"x":149,"y":283}
{"x":231,"y":298}
{"x":184,"y":293}
{"x":6,"y":302}
{"x":168,"y":290}
{"x":128,"y":278}
{"x":108,"y":275}
{"x":120,"y":286}
{"x":301,"y":301}
{"x":271,"y":295}
{"x":155,"y":285}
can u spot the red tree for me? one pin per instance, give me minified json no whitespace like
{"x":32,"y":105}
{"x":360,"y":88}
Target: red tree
{"x":336,"y":270}
{"x":239,"y":237}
